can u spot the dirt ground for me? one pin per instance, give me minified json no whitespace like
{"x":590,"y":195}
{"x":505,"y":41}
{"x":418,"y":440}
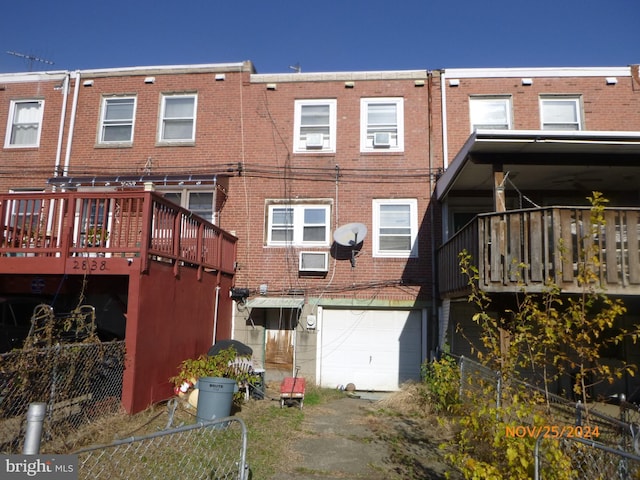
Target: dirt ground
{"x":363,"y":437}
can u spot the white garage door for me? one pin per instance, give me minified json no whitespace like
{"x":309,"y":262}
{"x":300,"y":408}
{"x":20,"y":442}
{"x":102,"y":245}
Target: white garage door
{"x":373,"y":349}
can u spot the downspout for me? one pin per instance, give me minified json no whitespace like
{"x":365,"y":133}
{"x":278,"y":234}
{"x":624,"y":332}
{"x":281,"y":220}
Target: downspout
{"x":56,"y":168}
{"x":434,"y":272}
{"x":215,"y":314}
{"x":72,"y":124}
{"x":63,"y":114}
{"x":443,"y":100}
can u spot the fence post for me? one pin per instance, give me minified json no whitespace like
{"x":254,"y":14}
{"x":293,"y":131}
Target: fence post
{"x":579,"y":413}
{"x":461,"y":377}
{"x":624,"y":416}
{"x":35,"y":418}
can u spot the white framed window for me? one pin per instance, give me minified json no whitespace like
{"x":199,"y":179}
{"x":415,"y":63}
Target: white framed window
{"x":298,"y":224}
{"x":178,"y":118}
{"x":492,"y":113}
{"x":25,"y":213}
{"x":25,"y":124}
{"x":395,"y":228}
{"x":382,"y":124}
{"x":200,"y":202}
{"x":118,"y":115}
{"x":560,"y":113}
{"x":314,"y":126}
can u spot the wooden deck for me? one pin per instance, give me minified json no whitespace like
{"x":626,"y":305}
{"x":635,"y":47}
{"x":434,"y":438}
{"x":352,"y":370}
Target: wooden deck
{"x":106,"y":233}
{"x":528,"y":248}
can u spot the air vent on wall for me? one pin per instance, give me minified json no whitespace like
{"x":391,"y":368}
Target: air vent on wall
{"x":314,"y":262}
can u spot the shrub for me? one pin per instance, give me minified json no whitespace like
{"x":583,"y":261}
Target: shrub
{"x":442,"y":378}
{"x":224,"y":364}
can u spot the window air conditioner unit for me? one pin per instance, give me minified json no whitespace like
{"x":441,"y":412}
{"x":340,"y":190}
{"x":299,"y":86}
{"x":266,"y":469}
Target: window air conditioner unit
{"x":314,"y":140}
{"x":314,"y":262}
{"x":381,"y":139}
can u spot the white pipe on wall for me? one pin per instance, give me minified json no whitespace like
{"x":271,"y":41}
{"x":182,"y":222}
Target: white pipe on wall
{"x":215,"y":314}
{"x":63,"y":114}
{"x":72,"y":124}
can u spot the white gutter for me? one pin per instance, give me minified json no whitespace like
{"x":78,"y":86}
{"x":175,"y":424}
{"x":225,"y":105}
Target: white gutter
{"x":443,"y":95}
{"x":72,"y":124}
{"x":63,"y":114}
{"x":548,"y":72}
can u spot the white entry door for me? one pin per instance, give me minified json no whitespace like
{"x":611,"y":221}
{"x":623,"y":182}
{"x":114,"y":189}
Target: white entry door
{"x":374,"y":349}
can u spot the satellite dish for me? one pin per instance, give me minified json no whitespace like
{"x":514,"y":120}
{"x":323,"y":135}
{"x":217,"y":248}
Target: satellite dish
{"x":350,"y":235}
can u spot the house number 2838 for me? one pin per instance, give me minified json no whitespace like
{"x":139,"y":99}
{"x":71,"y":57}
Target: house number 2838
{"x":89,"y":265}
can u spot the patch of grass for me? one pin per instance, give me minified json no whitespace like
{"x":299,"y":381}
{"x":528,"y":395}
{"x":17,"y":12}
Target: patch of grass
{"x":270,"y":430}
{"x":317,"y":396}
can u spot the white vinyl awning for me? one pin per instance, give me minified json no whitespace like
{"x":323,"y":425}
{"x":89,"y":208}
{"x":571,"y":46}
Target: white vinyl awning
{"x":275,"y":302}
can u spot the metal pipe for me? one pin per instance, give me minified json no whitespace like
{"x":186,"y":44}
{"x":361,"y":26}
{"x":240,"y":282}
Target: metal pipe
{"x":215,"y":314}
{"x":74,"y":108}
{"x":35,"y":418}
{"x":63,"y":114}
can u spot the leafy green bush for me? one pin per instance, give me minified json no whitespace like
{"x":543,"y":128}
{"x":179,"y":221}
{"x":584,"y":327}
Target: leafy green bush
{"x":485,"y":448}
{"x":224,"y":364}
{"x":442,"y":378}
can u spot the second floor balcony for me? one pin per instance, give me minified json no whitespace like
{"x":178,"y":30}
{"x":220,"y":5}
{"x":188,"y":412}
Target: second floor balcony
{"x":106,"y":233}
{"x":527,"y":249}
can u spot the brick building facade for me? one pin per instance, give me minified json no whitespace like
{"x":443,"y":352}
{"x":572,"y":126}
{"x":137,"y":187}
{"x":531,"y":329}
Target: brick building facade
{"x":284,"y":161}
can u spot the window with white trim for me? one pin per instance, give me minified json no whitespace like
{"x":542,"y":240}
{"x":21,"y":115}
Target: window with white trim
{"x":298,"y":224}
{"x":395,"y":228}
{"x":314,"y":126}
{"x":199,"y":202}
{"x":118,"y":114}
{"x":178,"y":118}
{"x":560,"y":113}
{"x":492,"y":113}
{"x":382,"y":124}
{"x":25,"y":124}
{"x":25,"y":213}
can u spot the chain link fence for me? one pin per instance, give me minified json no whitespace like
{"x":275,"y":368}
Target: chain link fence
{"x":211,"y":450}
{"x":79,"y":382}
{"x":589,"y":459}
{"x":616,"y":453}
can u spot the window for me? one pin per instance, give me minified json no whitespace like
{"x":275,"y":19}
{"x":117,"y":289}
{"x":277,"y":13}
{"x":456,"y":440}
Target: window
{"x":560,"y":113}
{"x":492,"y":113}
{"x":117,"y":120}
{"x":300,"y":224}
{"x":198,"y":201}
{"x":25,"y":123}
{"x":382,"y":124}
{"x":25,"y":213}
{"x":395,"y":228}
{"x":178,"y":118}
{"x":315,"y":126}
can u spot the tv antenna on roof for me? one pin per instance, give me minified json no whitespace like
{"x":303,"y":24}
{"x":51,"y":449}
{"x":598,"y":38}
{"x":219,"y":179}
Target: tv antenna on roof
{"x":350,"y":235}
{"x":296,"y":68}
{"x":30,"y":59}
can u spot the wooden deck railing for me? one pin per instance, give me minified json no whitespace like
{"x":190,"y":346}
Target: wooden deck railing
{"x":59,"y":228}
{"x":528,"y":248}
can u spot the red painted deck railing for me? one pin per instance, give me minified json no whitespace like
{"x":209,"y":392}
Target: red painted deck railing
{"x":65,"y":228}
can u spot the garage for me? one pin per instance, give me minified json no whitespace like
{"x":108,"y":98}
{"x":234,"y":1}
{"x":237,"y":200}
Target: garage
{"x":376,"y":350}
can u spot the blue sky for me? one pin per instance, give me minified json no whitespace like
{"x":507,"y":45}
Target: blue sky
{"x":328,"y":36}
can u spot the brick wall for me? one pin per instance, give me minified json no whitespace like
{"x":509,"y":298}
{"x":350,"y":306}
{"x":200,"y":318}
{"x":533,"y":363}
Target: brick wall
{"x":30,"y":167}
{"x":606,"y":107}
{"x":273,"y":171}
